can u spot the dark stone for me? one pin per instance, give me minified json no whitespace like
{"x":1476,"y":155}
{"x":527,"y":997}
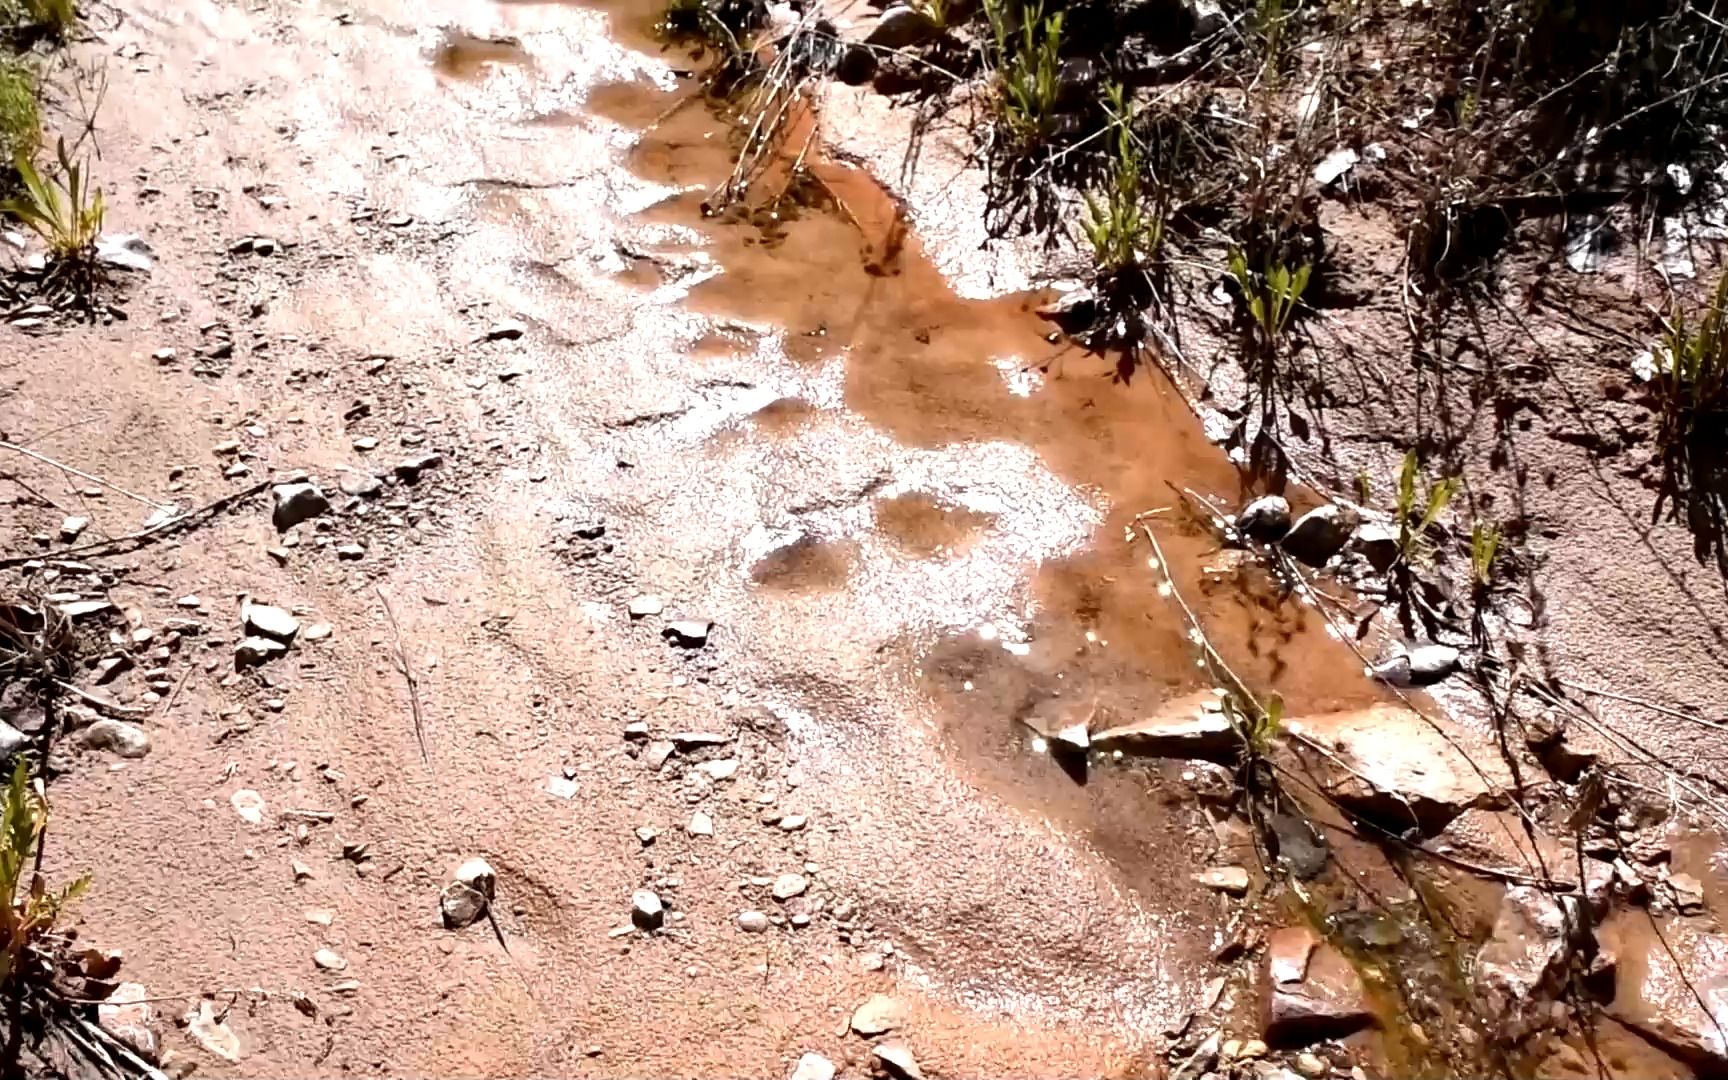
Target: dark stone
{"x":902,"y":27}
{"x":296,"y":503}
{"x":1319,"y":534}
{"x":1266,"y":519}
{"x":1302,"y":849}
{"x":856,"y":66}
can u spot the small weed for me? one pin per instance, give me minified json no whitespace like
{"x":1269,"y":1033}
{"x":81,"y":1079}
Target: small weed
{"x":20,"y":113}
{"x":1123,"y":230}
{"x":64,"y":210}
{"x":1028,"y":45}
{"x":1484,"y":548}
{"x":1258,"y":725}
{"x":1412,"y":527}
{"x":30,"y":910}
{"x":56,"y":18}
{"x":1690,"y":387}
{"x":1271,"y":296}
{"x":938,"y":12}
{"x":1691,"y":376}
{"x":1268,"y":300}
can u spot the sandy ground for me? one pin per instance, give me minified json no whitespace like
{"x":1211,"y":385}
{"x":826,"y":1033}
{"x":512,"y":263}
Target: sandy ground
{"x":903,"y":512}
{"x":837,"y":521}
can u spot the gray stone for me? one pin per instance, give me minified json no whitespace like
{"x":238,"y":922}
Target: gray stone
{"x":1378,"y":543}
{"x":689,"y":633}
{"x":1523,"y":961}
{"x":317,"y":632}
{"x":212,"y":1034}
{"x":646,"y":910}
{"x":724,"y":769}
{"x":350,"y":551}
{"x":901,"y":27}
{"x":813,"y":1067}
{"x":1319,"y":534}
{"x":696,"y":740}
{"x":126,"y":1015}
{"x":753,"y":922}
{"x":1266,"y":519}
{"x":460,"y":905}
{"x":11,"y":741}
{"x":296,"y":503}
{"x":256,"y":650}
{"x":1420,"y":666}
{"x":125,"y":251}
{"x":1228,"y":879}
{"x":507,"y":330}
{"x":1300,"y":847}
{"x":72,"y":527}
{"x":118,"y":738}
{"x":879,"y":1015}
{"x":408,"y":470}
{"x":465,"y":899}
{"x":897,"y":1060}
{"x":786,"y":886}
{"x":329,"y":960}
{"x":361,"y":485}
{"x":78,"y":609}
{"x":645,"y":605}
{"x":271,"y":622}
{"x":656,"y":754}
{"x":701,"y":824}
{"x":1312,"y":1065}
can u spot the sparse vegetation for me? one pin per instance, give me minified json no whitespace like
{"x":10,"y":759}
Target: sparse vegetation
{"x":55,"y":18}
{"x":1414,"y":519}
{"x":1123,"y":228}
{"x":1484,"y":548}
{"x":1027,"y":58}
{"x":63,"y":208}
{"x":1689,"y":384}
{"x":31,"y":908}
{"x":20,"y":115}
{"x":1267,"y":299}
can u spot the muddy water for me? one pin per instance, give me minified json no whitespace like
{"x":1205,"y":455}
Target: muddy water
{"x":846,"y":277}
{"x":926,"y":503}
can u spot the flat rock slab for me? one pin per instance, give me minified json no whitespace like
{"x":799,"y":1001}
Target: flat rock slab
{"x":1325,"y":1002}
{"x":878,"y":1016}
{"x":1655,"y":983}
{"x":1399,"y":771}
{"x":1190,"y":727}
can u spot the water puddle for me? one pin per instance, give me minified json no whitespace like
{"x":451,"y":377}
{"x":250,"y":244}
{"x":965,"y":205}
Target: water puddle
{"x":465,"y":57}
{"x":835,"y":265}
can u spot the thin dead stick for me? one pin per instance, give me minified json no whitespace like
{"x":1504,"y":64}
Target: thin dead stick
{"x":174,"y":695}
{"x":100,"y":702}
{"x":1216,"y":662}
{"x":179,"y":521}
{"x":1679,"y":714}
{"x":82,"y":475}
{"x":413,"y":683}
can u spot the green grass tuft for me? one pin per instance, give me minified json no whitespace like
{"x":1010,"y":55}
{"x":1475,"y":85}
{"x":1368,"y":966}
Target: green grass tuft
{"x":20,"y":113}
{"x":62,"y":208}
